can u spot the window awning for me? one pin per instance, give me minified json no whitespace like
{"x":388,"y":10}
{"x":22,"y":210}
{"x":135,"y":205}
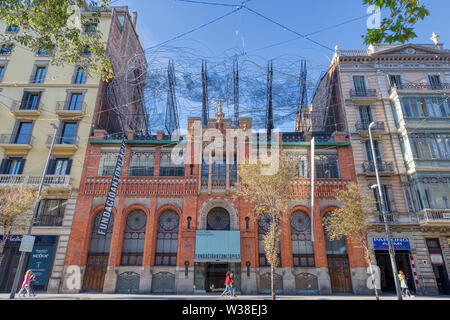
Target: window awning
{"x":217,"y":246}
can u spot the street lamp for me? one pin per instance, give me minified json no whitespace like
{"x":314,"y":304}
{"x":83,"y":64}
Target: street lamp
{"x":36,"y":207}
{"x":383,"y":210}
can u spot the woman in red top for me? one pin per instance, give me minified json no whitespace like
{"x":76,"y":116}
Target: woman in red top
{"x":26,"y":284}
{"x":227,"y":284}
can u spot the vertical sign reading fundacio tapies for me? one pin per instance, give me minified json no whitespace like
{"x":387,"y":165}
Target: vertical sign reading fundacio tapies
{"x":111,"y":197}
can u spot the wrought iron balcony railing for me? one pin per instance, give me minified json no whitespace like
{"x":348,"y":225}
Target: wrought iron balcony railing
{"x":369,"y":166}
{"x":15,"y":139}
{"x":363,"y":93}
{"x":66,"y":106}
{"x":364,"y":126}
{"x":64,"y":140}
{"x":420,"y":86}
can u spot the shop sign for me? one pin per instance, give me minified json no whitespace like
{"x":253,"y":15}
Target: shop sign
{"x":436,"y":258}
{"x":27,"y":244}
{"x":397,"y":243}
{"x":39,"y":262}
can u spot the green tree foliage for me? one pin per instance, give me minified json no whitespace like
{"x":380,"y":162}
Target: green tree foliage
{"x":50,"y":25}
{"x":399,"y":26}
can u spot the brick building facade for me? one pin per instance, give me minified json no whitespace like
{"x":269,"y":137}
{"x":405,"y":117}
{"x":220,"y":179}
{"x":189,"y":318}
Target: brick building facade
{"x":177,"y":227}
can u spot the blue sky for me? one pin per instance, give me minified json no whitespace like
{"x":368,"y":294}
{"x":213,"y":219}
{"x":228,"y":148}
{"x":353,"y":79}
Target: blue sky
{"x":244,"y":31}
{"x":160,"y":20}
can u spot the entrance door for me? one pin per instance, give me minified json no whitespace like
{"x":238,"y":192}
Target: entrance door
{"x":8,"y":269}
{"x":339,"y":270}
{"x":440,"y":271}
{"x":215,"y":277}
{"x":387,"y":277}
{"x":95,"y":272}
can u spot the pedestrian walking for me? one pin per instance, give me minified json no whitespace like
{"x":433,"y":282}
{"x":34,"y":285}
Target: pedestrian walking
{"x":232,"y":285}
{"x":26,"y":284}
{"x":227,"y":285}
{"x":403,"y":285}
{"x":32,"y":279}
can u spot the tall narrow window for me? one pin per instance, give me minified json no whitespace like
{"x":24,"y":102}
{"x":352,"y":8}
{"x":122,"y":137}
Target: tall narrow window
{"x":23,"y":135}
{"x":435,"y":81}
{"x":167,"y":239}
{"x":39,"y":74}
{"x":50,"y":213}
{"x":75,"y":102}
{"x":387,"y":197}
{"x":377,"y":148}
{"x":302,"y":246}
{"x":68,"y":133}
{"x":360,"y":85}
{"x":59,"y":166}
{"x":365,"y":115}
{"x":80,"y":76}
{"x":2,"y":71}
{"x":219,"y":168}
{"x":133,"y":239}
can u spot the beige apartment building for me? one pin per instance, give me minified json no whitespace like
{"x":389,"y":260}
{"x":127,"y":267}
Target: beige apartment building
{"x":35,"y":94}
{"x":403,"y":89}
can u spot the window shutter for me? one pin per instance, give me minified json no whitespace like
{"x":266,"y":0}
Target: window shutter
{"x":24,"y":99}
{"x":22,"y":165}
{"x":51,"y":167}
{"x":3,"y":166}
{"x":69,"y":166}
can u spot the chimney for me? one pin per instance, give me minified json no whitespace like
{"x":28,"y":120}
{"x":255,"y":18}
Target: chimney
{"x":135,"y":15}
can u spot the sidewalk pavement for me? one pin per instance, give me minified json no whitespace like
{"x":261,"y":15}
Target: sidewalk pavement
{"x":99,"y":296}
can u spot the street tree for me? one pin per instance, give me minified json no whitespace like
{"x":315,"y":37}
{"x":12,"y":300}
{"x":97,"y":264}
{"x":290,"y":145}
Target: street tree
{"x":399,"y":25}
{"x":16,"y":204}
{"x":56,"y":27}
{"x":352,"y":220}
{"x":269,"y":194}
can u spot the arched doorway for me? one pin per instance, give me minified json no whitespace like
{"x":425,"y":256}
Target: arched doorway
{"x":217,"y":219}
{"x":97,"y":260}
{"x":338,"y":263}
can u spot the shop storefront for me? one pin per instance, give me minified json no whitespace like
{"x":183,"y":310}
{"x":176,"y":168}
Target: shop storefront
{"x":402,"y":249}
{"x":40,"y":260}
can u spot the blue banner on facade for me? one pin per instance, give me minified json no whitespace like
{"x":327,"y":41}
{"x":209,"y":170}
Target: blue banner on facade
{"x":222,"y":246}
{"x":111,"y":197}
{"x":397,"y":243}
{"x":39,"y":262}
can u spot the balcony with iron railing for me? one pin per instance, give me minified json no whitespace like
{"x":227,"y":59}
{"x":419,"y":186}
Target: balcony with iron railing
{"x":64,"y":143}
{"x":49,"y":180}
{"x":65,"y":109}
{"x":363,"y":93}
{"x":384,"y":168}
{"x":364,"y":126}
{"x":419,"y":87}
{"x":396,"y":218}
{"x":23,"y":142}
{"x":20,"y":109}
{"x":434,"y":217}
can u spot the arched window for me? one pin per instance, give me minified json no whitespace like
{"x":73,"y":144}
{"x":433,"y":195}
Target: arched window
{"x":302,"y":246}
{"x":167,"y":239}
{"x":264,"y":222}
{"x":134,"y":238}
{"x":101,"y":244}
{"x":218,"y":219}
{"x":334,"y":247}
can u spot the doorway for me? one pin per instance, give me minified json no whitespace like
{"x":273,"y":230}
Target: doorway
{"x":95,"y":272}
{"x":403,"y":262}
{"x":439,"y":268}
{"x":215,"y":277}
{"x":339,"y":270}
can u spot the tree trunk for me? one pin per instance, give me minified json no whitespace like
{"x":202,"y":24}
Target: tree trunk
{"x":2,"y":247}
{"x":272,"y":281}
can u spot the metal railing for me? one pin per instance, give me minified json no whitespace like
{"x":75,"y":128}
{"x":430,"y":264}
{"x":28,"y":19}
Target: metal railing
{"x":65,"y":140}
{"x":50,"y":180}
{"x":67,"y":107}
{"x":14,"y":139}
{"x":364,"y":126}
{"x":420,"y":86}
{"x":363,"y":93}
{"x":434,"y":215}
{"x":369,"y":166}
